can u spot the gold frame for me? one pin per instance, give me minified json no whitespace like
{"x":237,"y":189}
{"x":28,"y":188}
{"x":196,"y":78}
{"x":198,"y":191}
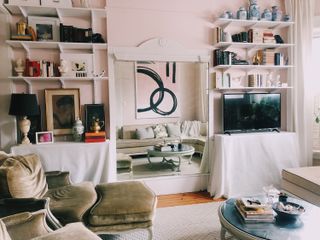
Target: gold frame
{"x":49,"y":94}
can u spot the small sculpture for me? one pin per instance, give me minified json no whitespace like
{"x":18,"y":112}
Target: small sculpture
{"x":19,"y":67}
{"x":63,"y":68}
{"x":96,"y":125}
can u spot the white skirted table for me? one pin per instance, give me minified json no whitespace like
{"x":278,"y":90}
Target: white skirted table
{"x":84,"y":161}
{"x":243,"y":164}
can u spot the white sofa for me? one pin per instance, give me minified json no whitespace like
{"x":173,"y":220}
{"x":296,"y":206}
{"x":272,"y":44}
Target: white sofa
{"x":303,"y":182}
{"x":128,"y":143}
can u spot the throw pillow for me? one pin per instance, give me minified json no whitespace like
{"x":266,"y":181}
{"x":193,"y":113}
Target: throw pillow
{"x":22,"y":177}
{"x":174,"y":129}
{"x":160,"y":131}
{"x":191,"y":128}
{"x":144,"y":133}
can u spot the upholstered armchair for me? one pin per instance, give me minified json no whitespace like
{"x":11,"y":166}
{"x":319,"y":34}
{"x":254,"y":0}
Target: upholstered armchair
{"x":26,"y":225}
{"x":104,"y":209}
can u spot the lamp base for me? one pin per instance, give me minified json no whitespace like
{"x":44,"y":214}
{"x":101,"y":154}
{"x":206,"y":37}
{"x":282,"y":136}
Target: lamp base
{"x":24,"y":126}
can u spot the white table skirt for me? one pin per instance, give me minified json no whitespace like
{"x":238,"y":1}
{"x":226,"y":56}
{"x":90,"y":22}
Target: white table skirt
{"x":84,"y":161}
{"x":244,"y":163}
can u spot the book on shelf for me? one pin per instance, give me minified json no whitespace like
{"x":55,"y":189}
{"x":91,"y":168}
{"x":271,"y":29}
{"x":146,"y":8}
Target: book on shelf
{"x":21,"y":37}
{"x":253,"y":211}
{"x":95,"y":134}
{"x":94,"y":140}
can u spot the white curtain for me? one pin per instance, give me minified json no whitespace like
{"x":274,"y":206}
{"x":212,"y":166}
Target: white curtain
{"x":300,"y":117}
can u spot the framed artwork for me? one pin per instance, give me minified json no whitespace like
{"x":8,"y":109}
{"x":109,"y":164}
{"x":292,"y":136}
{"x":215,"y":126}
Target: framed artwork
{"x":45,"y":28}
{"x":62,"y":109}
{"x":77,"y":64}
{"x":93,"y":112}
{"x":44,"y":137}
{"x":157,"y":90}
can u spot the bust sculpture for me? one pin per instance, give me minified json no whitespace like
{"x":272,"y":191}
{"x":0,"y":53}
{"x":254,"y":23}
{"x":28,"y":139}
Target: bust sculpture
{"x":19,"y":67}
{"x":63,"y":68}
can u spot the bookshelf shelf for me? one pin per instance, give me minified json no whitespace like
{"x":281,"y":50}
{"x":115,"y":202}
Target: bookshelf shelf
{"x":241,"y":89}
{"x":224,"y":22}
{"x":56,"y":45}
{"x":54,"y":11}
{"x":246,"y":45}
{"x":252,"y":67}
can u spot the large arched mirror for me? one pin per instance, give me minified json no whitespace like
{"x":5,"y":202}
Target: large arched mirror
{"x":161,"y":111}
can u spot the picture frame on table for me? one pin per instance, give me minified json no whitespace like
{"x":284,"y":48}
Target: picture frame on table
{"x":44,"y":137}
{"x":94,"y":112}
{"x":62,"y":109}
{"x":45,"y":28}
{"x":78,"y":64}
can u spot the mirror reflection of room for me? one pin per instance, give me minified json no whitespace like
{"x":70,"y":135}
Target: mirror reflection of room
{"x":161,"y":118}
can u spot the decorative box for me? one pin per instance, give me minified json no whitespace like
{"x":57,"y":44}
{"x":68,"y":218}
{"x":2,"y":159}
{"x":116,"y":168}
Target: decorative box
{"x":56,"y":3}
{"x":25,"y":2}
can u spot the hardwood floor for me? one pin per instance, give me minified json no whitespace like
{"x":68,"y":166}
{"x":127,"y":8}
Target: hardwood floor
{"x":185,"y":199}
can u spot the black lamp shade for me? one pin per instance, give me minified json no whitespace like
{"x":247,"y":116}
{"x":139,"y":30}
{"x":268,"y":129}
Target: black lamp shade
{"x":23,"y":105}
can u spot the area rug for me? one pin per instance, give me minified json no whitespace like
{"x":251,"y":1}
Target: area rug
{"x":189,"y":222}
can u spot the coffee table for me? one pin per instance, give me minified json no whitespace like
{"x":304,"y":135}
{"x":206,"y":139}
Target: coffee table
{"x":306,"y":227}
{"x":185,"y":150}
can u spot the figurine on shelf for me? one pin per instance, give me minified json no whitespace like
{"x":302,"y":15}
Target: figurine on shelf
{"x":19,"y":67}
{"x":77,"y":130}
{"x":99,"y":75}
{"x":96,"y":125}
{"x":63,"y":68}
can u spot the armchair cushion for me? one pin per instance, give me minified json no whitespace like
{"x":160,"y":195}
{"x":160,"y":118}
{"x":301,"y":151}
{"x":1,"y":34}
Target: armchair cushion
{"x":3,"y":232}
{"x":22,"y":177}
{"x":57,"y":179}
{"x":70,"y":203}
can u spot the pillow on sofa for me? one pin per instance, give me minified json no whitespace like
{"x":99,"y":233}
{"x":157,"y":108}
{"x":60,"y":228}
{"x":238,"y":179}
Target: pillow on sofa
{"x":174,"y":129}
{"x":22,"y":177}
{"x":160,"y":131}
{"x":191,"y":128}
{"x":144,"y":133}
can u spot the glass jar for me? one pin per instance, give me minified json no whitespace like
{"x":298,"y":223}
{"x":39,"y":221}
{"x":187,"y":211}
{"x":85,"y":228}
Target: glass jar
{"x":242,"y":13}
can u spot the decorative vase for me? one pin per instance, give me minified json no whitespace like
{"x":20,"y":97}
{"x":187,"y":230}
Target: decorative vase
{"x":276,"y":14}
{"x":77,"y":130}
{"x":267,"y":15}
{"x":254,"y":10}
{"x":230,"y":14}
{"x":242,"y":13}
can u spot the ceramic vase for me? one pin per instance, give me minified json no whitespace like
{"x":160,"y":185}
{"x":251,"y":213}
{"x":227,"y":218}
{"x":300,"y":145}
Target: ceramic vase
{"x":254,"y":10}
{"x":242,"y":13}
{"x":77,"y":130}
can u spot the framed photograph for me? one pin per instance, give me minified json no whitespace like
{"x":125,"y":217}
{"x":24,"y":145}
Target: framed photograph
{"x":93,"y":112}
{"x":77,"y":64}
{"x":46,"y":28}
{"x":62,"y":109}
{"x":44,"y":137}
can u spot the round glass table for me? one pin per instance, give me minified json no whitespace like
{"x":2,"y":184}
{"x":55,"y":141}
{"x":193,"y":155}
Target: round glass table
{"x":184,"y":150}
{"x":305,"y":227}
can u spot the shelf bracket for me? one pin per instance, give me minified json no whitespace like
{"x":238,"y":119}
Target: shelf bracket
{"x":23,"y":11}
{"x":28,"y":84}
{"x":59,"y":14}
{"x":26,"y":48}
{"x":60,"y":48}
{"x":63,"y":85}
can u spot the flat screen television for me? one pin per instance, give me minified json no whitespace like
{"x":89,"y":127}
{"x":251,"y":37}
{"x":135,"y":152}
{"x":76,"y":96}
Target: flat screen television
{"x":244,"y":112}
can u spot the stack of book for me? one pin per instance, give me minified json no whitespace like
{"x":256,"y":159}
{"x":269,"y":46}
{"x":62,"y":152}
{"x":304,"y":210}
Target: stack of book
{"x":255,"y":35}
{"x":90,"y":137}
{"x":253,"y":211}
{"x":162,"y":148}
{"x":268,"y":37}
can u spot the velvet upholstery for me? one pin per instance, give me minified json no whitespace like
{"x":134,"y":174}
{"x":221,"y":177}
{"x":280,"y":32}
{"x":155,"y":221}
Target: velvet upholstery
{"x":4,"y":235}
{"x":22,"y":177}
{"x":70,"y":203}
{"x":123,"y":203}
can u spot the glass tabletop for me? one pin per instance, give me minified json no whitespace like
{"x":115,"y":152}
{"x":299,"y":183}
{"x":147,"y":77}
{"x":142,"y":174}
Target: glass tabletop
{"x":305,"y":227}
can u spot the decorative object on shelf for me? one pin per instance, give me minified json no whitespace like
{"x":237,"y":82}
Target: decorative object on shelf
{"x":227,"y":37}
{"x":230,"y":14}
{"x":286,"y":18}
{"x":32,"y":68}
{"x":63,"y":68}
{"x":46,"y":28}
{"x":226,"y":80}
{"x":242,"y":13}
{"x":57,"y":3}
{"x":97,"y":125}
{"x":77,"y":130}
{"x":93,"y":112}
{"x":100,"y":74}
{"x":62,"y":107}
{"x":97,"y":38}
{"x":267,"y":15}
{"x":22,"y":33}
{"x":224,"y":15}
{"x":276,"y":14}
{"x":44,"y":137}
{"x":78,"y":64}
{"x":21,"y":27}
{"x":254,"y":10}
{"x":32,"y":33}
{"x":19,"y":67}
{"x":23,"y":105}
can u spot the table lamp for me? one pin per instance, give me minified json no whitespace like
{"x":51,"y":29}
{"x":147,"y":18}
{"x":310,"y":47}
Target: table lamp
{"x":23,"y":105}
